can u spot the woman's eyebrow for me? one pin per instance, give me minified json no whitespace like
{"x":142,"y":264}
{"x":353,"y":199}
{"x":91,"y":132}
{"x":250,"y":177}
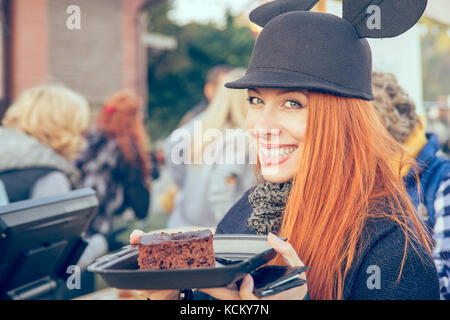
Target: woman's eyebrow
{"x":286,"y":91}
{"x":254,"y":90}
{"x":282,"y":91}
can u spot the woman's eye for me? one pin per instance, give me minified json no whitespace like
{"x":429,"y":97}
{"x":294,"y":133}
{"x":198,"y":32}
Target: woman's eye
{"x":255,"y":100}
{"x":290,"y":104}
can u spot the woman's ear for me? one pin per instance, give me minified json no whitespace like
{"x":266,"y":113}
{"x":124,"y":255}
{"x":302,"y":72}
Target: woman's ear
{"x":263,"y":14}
{"x":382,"y":18}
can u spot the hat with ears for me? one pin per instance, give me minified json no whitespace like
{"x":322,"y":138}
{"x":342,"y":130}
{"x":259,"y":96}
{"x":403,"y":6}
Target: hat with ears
{"x":315,"y":51}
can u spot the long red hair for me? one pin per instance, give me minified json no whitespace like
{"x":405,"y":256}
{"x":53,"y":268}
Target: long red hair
{"x":121,"y":119}
{"x":349,"y":171}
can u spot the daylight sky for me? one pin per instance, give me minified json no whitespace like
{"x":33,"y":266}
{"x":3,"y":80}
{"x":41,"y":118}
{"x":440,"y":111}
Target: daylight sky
{"x":186,"y":11}
{"x":213,"y":10}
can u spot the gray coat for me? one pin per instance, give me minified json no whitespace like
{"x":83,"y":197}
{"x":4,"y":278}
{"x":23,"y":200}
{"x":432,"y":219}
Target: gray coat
{"x":19,"y":151}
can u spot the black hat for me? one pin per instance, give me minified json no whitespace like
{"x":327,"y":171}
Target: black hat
{"x":320,"y":51}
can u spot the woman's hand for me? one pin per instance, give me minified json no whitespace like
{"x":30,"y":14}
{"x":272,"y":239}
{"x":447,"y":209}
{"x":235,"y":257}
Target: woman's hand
{"x":289,"y":256}
{"x":135,"y":238}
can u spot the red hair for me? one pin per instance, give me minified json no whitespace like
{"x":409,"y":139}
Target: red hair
{"x":349,"y":171}
{"x":121,"y":119}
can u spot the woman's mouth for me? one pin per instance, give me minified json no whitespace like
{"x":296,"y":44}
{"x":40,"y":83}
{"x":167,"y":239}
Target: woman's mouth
{"x":271,"y":155}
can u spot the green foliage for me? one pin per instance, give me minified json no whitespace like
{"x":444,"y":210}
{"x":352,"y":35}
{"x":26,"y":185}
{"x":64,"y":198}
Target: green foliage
{"x":435,"y":60}
{"x":176,"y":78}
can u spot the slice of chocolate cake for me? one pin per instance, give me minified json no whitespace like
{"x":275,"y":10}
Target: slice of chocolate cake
{"x":176,"y":251}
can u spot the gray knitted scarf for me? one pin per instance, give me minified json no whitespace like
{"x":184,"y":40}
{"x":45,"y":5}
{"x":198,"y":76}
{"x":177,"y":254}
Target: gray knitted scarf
{"x":268,"y":201}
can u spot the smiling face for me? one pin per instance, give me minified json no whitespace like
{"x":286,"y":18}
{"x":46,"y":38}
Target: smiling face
{"x":277,"y":120}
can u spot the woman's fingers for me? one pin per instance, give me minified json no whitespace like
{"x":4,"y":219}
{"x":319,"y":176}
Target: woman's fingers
{"x":245,"y":292}
{"x":247,"y":287}
{"x":285,"y":250}
{"x":135,"y":236}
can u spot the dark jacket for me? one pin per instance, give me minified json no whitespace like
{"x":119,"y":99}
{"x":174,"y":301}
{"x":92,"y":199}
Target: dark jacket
{"x":432,"y":171}
{"x":382,"y":249}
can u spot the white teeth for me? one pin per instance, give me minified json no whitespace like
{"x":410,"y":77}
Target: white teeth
{"x":277,"y":153}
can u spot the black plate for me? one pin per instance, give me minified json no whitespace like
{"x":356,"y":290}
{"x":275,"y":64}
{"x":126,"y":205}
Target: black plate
{"x":236,"y":255}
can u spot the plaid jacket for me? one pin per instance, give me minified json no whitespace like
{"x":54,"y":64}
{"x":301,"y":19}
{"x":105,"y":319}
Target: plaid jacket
{"x":119,"y":184}
{"x":441,"y":236}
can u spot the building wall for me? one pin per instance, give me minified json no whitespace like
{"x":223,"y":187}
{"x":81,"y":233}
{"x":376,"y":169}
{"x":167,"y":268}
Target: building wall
{"x":131,"y":74}
{"x":2,"y":54}
{"x":97,"y":60}
{"x":88,"y":60}
{"x":29,"y":44}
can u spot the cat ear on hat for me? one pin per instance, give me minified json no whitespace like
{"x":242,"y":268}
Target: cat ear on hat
{"x":382,"y":18}
{"x":263,"y":14}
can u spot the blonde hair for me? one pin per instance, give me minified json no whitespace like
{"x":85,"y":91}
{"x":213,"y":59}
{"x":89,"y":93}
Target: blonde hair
{"x":54,"y":115}
{"x":228,"y":109}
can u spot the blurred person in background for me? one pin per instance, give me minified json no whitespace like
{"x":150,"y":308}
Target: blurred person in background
{"x":398,"y":113}
{"x":116,"y":163}
{"x":208,"y":190}
{"x":213,"y":80}
{"x":42,"y":134}
{"x":438,"y":119}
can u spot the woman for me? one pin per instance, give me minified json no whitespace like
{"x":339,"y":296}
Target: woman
{"x":209,"y":177}
{"x":332,"y":183}
{"x":42,"y":134}
{"x":115,"y":162}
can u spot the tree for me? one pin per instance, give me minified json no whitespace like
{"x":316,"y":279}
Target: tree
{"x":176,"y":78}
{"x":435,"y":59}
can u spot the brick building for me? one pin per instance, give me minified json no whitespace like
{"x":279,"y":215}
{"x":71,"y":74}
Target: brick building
{"x":40,"y":43}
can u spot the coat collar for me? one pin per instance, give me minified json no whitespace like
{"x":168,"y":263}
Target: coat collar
{"x":426,"y":156}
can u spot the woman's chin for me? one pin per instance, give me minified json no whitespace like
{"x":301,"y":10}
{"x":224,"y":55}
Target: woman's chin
{"x":275,"y":175}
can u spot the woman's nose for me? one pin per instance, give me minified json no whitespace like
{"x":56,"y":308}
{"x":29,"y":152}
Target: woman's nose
{"x":266,"y":126}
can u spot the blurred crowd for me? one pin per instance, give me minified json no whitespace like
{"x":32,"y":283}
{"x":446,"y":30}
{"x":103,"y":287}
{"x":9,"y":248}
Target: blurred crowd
{"x":50,"y":145}
{"x":438,"y":120}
